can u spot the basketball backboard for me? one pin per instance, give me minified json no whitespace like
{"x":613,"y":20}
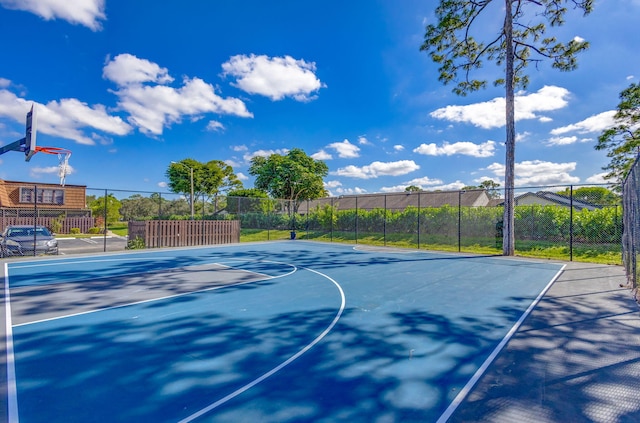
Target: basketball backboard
{"x":30,"y":139}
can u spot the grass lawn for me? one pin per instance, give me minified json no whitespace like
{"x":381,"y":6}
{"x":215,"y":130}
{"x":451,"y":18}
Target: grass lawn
{"x":255,"y":235}
{"x":601,"y":253}
{"x":120,"y":228}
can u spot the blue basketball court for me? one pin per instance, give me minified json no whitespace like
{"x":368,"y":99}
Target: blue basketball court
{"x":270,"y":332}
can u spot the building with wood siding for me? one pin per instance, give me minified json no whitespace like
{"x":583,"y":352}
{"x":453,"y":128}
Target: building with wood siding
{"x":400,"y":201}
{"x":546,"y":198}
{"x":26,"y":195}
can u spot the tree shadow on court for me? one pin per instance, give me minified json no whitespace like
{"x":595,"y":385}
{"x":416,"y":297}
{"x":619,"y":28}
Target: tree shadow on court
{"x":322,"y":258}
{"x":167,"y":363}
{"x":111,"y":281}
{"x":576,"y":358}
{"x":131,"y":281}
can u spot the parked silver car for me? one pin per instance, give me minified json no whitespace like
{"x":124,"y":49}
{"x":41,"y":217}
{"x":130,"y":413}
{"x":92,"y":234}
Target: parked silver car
{"x":27,"y":240}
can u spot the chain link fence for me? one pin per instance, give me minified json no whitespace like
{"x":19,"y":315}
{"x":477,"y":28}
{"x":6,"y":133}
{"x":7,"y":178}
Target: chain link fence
{"x":631,"y":219}
{"x":561,"y":222}
{"x":564,"y":222}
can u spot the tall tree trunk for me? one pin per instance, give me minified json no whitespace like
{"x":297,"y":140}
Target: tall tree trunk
{"x":508,"y":240}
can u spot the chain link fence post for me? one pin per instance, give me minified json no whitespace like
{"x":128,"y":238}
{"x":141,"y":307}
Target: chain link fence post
{"x":631,"y":225}
{"x":570,"y":222}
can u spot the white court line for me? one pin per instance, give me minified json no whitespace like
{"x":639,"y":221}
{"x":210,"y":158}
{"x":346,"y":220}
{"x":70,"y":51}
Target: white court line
{"x":12,"y":394}
{"x":73,"y":262}
{"x":266,"y":277}
{"x":483,"y":368}
{"x":70,"y":260}
{"x":282,"y":365}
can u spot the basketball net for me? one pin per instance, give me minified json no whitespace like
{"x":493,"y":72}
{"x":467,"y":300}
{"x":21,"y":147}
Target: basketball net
{"x":63,"y":160}
{"x":63,"y":165}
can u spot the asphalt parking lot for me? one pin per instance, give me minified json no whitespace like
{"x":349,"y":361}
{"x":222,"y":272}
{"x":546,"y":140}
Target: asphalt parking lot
{"x":97,"y":244}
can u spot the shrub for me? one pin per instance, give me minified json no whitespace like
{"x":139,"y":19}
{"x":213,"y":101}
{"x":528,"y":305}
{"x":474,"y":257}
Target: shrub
{"x":135,"y":244}
{"x":56,"y":224}
{"x":74,"y":231}
{"x":264,"y":221}
{"x":326,"y":216}
{"x":94,"y":230}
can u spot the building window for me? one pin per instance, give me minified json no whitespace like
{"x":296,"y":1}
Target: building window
{"x":43,"y":196}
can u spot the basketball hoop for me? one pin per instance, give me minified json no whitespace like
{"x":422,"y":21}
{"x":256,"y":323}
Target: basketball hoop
{"x":63,"y":159}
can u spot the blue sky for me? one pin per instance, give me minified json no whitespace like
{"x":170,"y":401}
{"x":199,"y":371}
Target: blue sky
{"x":129,"y":86}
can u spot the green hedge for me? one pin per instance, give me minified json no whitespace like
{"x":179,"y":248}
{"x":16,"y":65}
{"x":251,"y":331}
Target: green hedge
{"x":532,"y":222}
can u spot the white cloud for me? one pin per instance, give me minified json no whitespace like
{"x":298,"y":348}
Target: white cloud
{"x":424,"y":183}
{"x":321,"y":155}
{"x":465,"y":148}
{"x":242,"y":176}
{"x":427,"y":149}
{"x":377,"y":169}
{"x":102,"y":139}
{"x":362,"y":140}
{"x":74,"y":112}
{"x":274,"y":77}
{"x":538,"y":173}
{"x":595,"y":123}
{"x":598,"y":178}
{"x":153,"y":107}
{"x":345,"y":149}
{"x":453,"y":186}
{"x":162,"y":184}
{"x":562,"y":140}
{"x":481,"y":179}
{"x":396,"y":188}
{"x":332,"y":184}
{"x":65,"y":118}
{"x":547,"y":98}
{"x":264,"y":153}
{"x":50,"y":170}
{"x":334,"y":188}
{"x":398,"y":147}
{"x":127,"y":69}
{"x":215,"y":126}
{"x":4,"y":83}
{"x":351,"y":191}
{"x":485,"y":115}
{"x":490,"y":114}
{"x":240,"y":148}
{"x":83,"y":12}
{"x":233,"y":163}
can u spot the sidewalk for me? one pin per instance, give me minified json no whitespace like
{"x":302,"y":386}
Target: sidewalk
{"x":576,"y":358}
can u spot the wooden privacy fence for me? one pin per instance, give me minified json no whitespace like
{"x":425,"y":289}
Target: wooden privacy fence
{"x":183,"y":233}
{"x":82,"y":223}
